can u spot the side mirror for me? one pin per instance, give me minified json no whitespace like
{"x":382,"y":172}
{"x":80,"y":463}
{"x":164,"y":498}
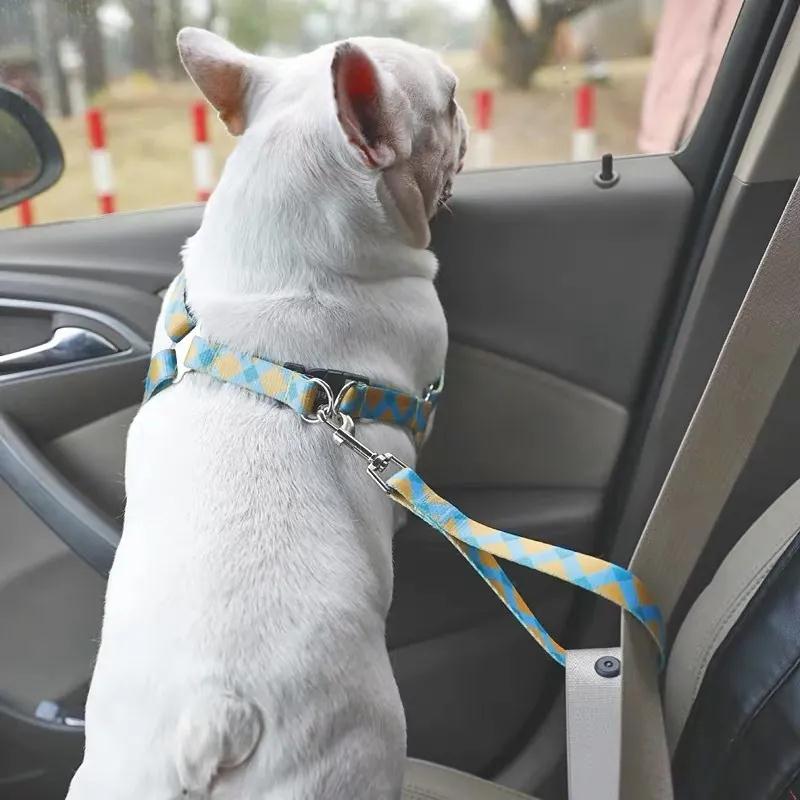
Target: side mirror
{"x":31,"y":159}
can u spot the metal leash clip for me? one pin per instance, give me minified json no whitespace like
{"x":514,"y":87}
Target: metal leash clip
{"x":343,"y":429}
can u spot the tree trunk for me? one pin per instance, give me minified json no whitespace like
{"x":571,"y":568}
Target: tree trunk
{"x":91,"y":44}
{"x":522,"y":56}
{"x":522,"y":52}
{"x":211,"y":16}
{"x":174,"y":24}
{"x":143,"y":35}
{"x":56,"y":30}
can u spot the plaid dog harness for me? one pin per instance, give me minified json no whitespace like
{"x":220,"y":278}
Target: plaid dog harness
{"x":289,"y":384}
{"x":310,"y":394}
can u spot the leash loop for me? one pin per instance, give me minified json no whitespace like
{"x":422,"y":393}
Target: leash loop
{"x":482,"y":546}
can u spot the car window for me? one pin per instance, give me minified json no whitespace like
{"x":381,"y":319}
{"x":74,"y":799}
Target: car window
{"x":541,"y":81}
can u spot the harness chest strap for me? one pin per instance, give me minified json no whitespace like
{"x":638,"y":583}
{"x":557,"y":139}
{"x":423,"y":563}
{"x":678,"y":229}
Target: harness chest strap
{"x":301,"y":392}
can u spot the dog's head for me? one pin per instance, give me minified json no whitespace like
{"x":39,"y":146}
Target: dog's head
{"x":381,"y":113}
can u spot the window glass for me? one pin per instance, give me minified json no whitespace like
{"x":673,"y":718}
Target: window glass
{"x":541,"y":80}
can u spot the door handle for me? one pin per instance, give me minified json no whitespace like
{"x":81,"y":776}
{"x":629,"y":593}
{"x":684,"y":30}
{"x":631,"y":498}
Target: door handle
{"x":67,"y":345}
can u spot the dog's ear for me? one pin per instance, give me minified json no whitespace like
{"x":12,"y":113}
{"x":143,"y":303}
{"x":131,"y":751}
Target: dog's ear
{"x":374,"y":122}
{"x":220,"y":70}
{"x":361,"y":105}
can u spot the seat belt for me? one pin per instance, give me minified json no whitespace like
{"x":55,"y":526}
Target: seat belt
{"x":752,"y":365}
{"x":750,"y":369}
{"x":593,"y":685}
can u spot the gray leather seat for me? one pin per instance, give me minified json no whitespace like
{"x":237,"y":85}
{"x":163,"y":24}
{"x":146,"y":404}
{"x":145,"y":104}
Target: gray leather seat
{"x":738,"y":629}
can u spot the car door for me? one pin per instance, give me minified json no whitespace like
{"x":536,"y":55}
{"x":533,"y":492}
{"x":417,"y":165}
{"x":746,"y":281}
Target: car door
{"x":570,"y":376}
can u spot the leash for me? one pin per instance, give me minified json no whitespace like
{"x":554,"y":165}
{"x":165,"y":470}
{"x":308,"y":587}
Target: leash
{"x":310,"y":394}
{"x":482,"y":545}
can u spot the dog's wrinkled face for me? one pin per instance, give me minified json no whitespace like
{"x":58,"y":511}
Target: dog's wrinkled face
{"x":381,"y":107}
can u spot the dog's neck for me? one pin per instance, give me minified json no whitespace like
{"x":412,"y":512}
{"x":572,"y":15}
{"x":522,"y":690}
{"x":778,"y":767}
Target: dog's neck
{"x":287,"y":261}
{"x":286,"y":216}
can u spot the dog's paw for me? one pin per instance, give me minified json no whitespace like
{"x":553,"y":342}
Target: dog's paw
{"x":218,"y":731}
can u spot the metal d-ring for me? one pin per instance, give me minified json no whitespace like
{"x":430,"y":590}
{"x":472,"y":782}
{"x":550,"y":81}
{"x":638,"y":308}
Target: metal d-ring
{"x":340,"y":397}
{"x":436,"y":386}
{"x":322,"y":412}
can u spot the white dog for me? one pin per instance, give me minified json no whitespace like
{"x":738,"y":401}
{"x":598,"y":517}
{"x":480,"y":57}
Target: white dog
{"x":243,"y":652}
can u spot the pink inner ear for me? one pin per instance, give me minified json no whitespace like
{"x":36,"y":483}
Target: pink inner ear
{"x":358,"y":96}
{"x":360,"y":81}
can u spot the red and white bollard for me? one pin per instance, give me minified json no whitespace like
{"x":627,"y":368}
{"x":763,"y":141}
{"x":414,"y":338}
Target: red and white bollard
{"x":201,"y":154}
{"x":102,"y":172}
{"x":583,"y":136}
{"x":481,"y":141}
{"x":25,"y":213}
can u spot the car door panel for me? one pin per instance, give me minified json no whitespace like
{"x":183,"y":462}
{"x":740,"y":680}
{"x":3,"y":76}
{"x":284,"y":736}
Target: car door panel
{"x":93,"y":455}
{"x":87,"y":389}
{"x":136,"y":249}
{"x":538,"y":397}
{"x":516,"y":425}
{"x":592,"y":266}
{"x":62,"y":601}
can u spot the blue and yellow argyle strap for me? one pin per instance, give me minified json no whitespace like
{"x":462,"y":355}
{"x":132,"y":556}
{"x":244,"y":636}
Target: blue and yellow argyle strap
{"x":178,"y":322}
{"x":481,"y":546}
{"x":364,"y":401}
{"x":258,"y":375}
{"x":360,"y":400}
{"x":161,"y":373}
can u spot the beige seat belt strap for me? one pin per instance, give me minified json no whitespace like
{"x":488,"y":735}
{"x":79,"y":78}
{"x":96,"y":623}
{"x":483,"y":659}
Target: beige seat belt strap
{"x":593,"y":723}
{"x":753,"y":362}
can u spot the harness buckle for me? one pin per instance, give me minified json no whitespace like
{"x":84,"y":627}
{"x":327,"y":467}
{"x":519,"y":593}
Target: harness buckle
{"x":336,"y":379}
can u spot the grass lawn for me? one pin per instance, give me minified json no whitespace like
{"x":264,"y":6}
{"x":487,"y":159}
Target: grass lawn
{"x":149,"y":133}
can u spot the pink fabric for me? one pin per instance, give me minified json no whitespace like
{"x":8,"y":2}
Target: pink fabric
{"x":691,"y":39}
